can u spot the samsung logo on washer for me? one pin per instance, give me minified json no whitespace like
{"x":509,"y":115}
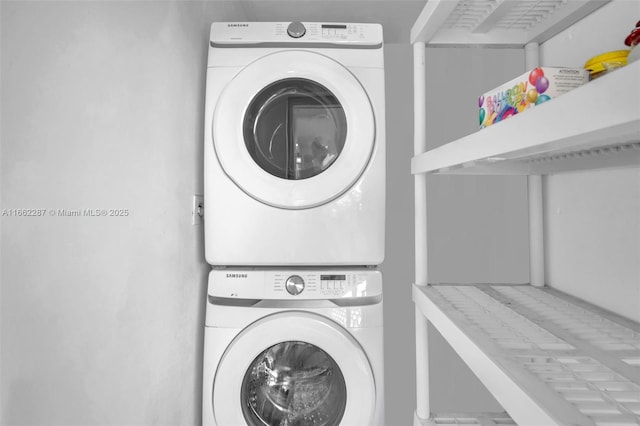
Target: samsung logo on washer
{"x":236,"y":275}
{"x":237,"y":25}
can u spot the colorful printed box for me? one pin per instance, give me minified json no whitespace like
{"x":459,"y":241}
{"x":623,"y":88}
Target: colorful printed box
{"x":526,"y":91}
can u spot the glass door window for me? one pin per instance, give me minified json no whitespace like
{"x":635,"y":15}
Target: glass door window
{"x":293,"y":384}
{"x":295,"y":129}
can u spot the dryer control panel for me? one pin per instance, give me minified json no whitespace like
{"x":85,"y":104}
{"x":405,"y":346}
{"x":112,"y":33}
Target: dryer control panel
{"x":294,"y":284}
{"x":309,"y":34}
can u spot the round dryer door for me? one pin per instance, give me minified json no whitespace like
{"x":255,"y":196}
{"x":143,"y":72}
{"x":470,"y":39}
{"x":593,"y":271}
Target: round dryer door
{"x":294,"y":368}
{"x":294,"y":129}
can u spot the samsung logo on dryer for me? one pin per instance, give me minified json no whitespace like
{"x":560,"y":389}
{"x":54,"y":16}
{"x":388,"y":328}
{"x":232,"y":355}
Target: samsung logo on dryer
{"x":237,"y":25}
{"x":236,"y":275}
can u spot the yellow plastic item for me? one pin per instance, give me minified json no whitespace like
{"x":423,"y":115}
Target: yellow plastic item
{"x":606,"y":62}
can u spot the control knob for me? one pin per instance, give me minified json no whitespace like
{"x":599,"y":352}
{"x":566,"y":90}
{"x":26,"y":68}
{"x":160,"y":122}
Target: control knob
{"x":294,"y":285}
{"x":296,"y":29}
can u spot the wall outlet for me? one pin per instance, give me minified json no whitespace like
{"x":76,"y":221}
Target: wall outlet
{"x":197,"y":210}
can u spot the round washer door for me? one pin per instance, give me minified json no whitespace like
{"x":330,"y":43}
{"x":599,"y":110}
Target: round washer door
{"x":294,"y":368}
{"x":294,"y":129}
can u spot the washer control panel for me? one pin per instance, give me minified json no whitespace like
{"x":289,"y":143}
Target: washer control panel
{"x":313,"y":33}
{"x":294,"y":284}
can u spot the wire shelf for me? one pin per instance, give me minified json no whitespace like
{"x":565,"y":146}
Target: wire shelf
{"x":574,"y":361}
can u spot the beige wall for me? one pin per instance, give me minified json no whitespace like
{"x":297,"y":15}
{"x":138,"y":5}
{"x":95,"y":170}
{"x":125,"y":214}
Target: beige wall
{"x":102,"y":109}
{"x":592,"y":218}
{"x":477,"y":226}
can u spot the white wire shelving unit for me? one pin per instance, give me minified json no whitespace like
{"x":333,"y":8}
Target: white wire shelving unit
{"x":548,"y":358}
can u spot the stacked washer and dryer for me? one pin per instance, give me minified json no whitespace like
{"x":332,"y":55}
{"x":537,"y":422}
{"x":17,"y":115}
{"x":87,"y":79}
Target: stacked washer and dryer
{"x":294,"y":224}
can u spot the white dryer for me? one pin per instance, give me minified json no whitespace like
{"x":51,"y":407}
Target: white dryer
{"x":293,"y":347}
{"x":294,"y":147}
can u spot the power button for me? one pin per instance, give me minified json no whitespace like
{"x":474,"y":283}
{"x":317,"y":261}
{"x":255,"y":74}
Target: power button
{"x":294,"y":285}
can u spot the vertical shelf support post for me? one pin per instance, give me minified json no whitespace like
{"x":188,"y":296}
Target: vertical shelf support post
{"x":423,"y":410}
{"x":536,"y":212}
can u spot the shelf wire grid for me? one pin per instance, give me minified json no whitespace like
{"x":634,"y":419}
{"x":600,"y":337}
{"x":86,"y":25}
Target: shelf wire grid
{"x":583,"y":153}
{"x":590,"y":361}
{"x":517,"y":15}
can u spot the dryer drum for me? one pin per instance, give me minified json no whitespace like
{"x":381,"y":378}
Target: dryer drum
{"x":295,"y":128}
{"x":293,"y":384}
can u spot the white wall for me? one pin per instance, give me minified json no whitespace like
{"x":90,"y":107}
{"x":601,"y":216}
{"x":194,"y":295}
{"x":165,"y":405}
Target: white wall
{"x":592,"y":219}
{"x":477,"y":226}
{"x":397,"y":268}
{"x":102,"y":316}
{"x":593,"y":237}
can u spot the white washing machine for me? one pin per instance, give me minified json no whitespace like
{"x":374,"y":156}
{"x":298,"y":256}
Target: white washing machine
{"x":294,"y":144}
{"x":293,"y":347}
